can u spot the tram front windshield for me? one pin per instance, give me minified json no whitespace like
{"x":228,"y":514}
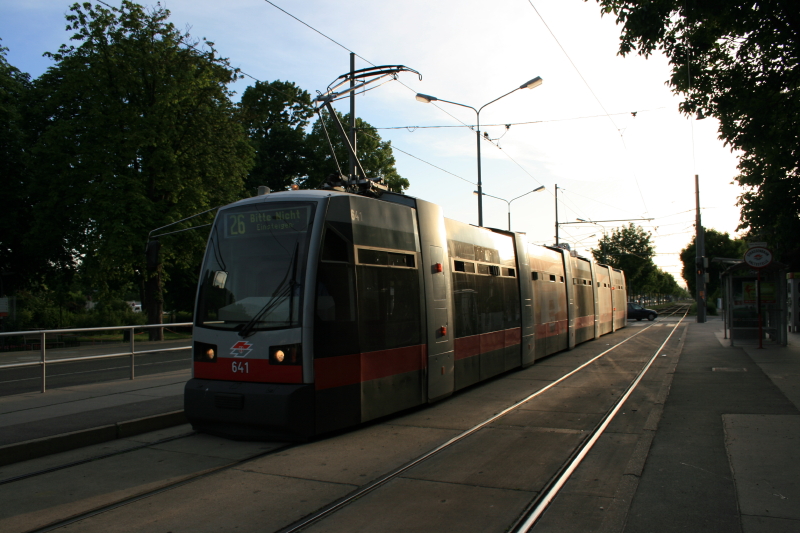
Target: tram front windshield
{"x":253,"y":273}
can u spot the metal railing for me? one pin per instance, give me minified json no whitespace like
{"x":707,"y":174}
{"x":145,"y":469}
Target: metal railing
{"x":131,"y":352}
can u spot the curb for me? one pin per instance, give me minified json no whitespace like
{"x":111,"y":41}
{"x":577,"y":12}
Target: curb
{"x":32,"y":449}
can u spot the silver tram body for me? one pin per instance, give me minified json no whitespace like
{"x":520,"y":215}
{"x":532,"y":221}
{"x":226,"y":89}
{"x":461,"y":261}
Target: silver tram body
{"x":319,"y":310}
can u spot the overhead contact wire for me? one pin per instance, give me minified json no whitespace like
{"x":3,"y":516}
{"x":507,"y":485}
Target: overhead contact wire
{"x":545,"y":501}
{"x":635,"y":178}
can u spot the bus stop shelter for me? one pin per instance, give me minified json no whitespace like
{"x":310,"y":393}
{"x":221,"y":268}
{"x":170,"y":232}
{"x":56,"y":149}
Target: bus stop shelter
{"x":753,"y":314}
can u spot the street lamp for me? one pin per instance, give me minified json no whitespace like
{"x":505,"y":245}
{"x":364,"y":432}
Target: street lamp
{"x":508,"y":202}
{"x":557,"y":213}
{"x":427,"y":99}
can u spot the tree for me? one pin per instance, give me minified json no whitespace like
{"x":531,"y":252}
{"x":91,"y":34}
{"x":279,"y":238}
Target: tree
{"x":375,"y":155}
{"x":717,"y":244}
{"x":134,"y":130}
{"x":275,"y":116}
{"x":15,"y":203}
{"x":662,"y":283}
{"x":739,"y":62}
{"x":629,"y":249}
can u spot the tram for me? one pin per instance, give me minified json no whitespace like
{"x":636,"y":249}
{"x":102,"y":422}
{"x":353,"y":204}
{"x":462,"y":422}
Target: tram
{"x":319,"y":310}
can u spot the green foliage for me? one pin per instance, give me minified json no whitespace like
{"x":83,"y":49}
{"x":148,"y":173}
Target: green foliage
{"x":375,"y":155}
{"x":630,"y":249}
{"x":134,"y":130}
{"x":275,"y":116}
{"x":15,"y":203}
{"x":739,"y":62}
{"x":44,"y":308}
{"x":717,"y":244}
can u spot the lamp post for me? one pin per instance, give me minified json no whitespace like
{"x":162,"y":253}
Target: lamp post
{"x":508,"y":202}
{"x":557,"y":214}
{"x":426,"y":98}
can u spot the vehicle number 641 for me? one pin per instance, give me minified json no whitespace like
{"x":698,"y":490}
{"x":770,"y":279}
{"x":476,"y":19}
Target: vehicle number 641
{"x":238,"y":366}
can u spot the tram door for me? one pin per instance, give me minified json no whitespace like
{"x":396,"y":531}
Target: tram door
{"x":526,"y":300}
{"x":438,"y":307}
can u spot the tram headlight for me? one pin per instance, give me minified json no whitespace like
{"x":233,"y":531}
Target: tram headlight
{"x":204,"y":352}
{"x":286,"y":354}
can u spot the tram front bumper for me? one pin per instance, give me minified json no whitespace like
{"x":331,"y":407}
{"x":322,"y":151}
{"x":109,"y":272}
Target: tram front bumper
{"x":250,"y":411}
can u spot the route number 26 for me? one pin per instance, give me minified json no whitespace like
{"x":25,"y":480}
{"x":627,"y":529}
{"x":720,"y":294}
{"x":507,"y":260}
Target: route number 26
{"x":238,"y":366}
{"x":236,"y":224}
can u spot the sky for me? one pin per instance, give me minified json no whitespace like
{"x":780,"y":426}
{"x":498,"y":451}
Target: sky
{"x":603,"y":128}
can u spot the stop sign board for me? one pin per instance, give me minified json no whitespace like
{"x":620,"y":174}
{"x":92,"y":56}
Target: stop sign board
{"x":758,"y":257}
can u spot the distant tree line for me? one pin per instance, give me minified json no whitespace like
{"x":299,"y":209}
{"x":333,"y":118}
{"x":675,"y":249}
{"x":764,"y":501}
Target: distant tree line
{"x":630,"y":249}
{"x":134,"y":128}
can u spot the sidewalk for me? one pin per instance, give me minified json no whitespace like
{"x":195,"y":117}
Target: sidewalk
{"x":724,"y":455}
{"x":36,"y":424}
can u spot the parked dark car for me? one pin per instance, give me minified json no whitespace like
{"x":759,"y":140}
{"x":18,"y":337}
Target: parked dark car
{"x":638,"y":312}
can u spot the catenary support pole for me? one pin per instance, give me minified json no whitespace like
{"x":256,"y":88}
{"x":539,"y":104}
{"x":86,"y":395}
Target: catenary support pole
{"x":352,"y":167}
{"x":556,"y":214}
{"x":700,"y":253}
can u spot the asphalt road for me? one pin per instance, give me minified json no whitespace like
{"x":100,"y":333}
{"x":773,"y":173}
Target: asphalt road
{"x":28,"y":379}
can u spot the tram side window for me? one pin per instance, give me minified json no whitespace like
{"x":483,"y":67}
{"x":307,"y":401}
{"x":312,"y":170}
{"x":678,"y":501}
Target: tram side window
{"x":335,"y":318}
{"x":401,"y":260}
{"x":491,"y":305}
{"x":511,"y":311}
{"x":388,"y":308}
{"x":465,"y":311}
{"x":335,"y":248}
{"x":485,"y":303}
{"x":462,"y":266}
{"x":335,"y":324}
{"x":373,"y":257}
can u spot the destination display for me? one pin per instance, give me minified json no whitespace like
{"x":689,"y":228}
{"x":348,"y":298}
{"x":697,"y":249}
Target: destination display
{"x":273,"y":221}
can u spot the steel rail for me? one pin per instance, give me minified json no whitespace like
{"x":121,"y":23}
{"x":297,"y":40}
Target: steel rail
{"x":335,"y":506}
{"x":358,"y":493}
{"x":541,"y":502}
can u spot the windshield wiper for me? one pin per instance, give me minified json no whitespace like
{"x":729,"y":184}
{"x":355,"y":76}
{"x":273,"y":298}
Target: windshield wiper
{"x":277,"y":298}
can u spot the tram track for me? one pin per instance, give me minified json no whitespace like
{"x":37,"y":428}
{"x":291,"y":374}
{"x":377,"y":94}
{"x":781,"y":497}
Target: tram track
{"x":537,"y":507}
{"x":360,"y":492}
{"x":540,"y":504}
{"x":335,"y":506}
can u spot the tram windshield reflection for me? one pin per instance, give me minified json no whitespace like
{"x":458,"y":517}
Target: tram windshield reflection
{"x":254,"y":268}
